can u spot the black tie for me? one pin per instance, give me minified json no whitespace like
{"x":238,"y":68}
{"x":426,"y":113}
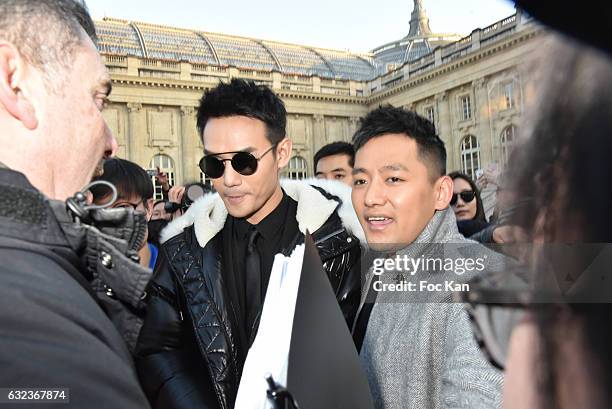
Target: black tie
{"x":253,"y":282}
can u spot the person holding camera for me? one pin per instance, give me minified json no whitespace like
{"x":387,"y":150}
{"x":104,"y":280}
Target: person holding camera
{"x":502,"y":229}
{"x":180,"y":198}
{"x":163,"y":180}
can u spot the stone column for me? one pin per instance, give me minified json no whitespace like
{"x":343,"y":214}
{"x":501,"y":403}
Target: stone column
{"x":132,"y":136}
{"x":319,"y":134}
{"x":482,"y":112}
{"x":444,"y":129}
{"x":353,"y":126}
{"x":189,"y":145}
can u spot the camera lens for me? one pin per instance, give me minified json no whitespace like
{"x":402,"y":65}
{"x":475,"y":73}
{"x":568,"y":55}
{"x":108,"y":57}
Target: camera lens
{"x":194,"y":192}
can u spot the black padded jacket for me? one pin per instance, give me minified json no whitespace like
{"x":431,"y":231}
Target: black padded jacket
{"x":186,"y":354}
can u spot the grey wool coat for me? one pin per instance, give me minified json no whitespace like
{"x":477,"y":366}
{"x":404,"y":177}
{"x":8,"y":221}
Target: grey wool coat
{"x":421,"y":352}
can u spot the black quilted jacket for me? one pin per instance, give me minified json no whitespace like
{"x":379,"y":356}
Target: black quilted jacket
{"x":186,"y":354}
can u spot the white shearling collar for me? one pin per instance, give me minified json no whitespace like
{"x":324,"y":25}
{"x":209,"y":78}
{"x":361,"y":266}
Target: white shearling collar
{"x":208,"y":214}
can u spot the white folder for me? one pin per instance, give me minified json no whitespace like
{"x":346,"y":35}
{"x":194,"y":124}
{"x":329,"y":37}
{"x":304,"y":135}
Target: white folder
{"x":269,"y":353}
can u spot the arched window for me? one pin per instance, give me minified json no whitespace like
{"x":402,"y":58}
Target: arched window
{"x":166,"y":165}
{"x":298,"y":168}
{"x":507,"y":140}
{"x":470,"y":156}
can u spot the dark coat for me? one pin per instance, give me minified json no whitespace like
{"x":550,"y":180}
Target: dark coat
{"x":187,"y":354}
{"x":52,"y":330}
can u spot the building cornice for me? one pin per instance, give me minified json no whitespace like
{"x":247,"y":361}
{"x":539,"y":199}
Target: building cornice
{"x":128,"y":80}
{"x":402,"y":86}
{"x":485,"y":52}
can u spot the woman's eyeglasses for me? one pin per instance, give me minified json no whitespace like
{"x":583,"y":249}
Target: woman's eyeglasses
{"x":244,"y":163}
{"x":467,"y":196}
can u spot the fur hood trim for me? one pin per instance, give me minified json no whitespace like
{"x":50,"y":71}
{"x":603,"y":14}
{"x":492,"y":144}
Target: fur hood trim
{"x":208,"y":213}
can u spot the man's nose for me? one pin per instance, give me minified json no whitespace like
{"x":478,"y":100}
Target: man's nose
{"x":230,"y":176}
{"x":111,"y":143}
{"x":375,"y":194}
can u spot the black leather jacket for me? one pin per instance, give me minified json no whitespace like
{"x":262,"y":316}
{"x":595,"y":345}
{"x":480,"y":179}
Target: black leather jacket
{"x":186,"y":353}
{"x":54,"y":331}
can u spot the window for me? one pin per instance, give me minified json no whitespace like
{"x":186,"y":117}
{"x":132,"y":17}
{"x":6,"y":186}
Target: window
{"x":207,"y":182}
{"x":509,"y":95}
{"x":507,"y":140}
{"x":430,"y":114}
{"x":298,"y":168}
{"x":166,"y":165}
{"x":466,"y":107}
{"x":470,"y":156}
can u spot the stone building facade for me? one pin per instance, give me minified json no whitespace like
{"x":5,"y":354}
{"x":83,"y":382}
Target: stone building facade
{"x":472,"y":89}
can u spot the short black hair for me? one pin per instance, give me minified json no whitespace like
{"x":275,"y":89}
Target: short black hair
{"x":129,"y":179}
{"x":387,"y":119}
{"x":244,"y":98}
{"x":335,"y":148}
{"x":45,"y":31}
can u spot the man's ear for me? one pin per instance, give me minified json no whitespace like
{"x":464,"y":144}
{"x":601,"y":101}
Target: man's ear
{"x":149,"y":207}
{"x":444,"y":192}
{"x":13,"y":71}
{"x":283,"y":152}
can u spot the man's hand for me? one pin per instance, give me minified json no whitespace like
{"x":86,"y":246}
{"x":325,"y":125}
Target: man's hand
{"x":162,"y":179}
{"x":514,"y":241}
{"x":490,"y":176}
{"x":509,"y":235}
{"x":176,"y":193}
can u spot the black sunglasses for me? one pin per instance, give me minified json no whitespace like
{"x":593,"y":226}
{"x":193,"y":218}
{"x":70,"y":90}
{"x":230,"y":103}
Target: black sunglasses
{"x":244,"y":163}
{"x":467,"y":196}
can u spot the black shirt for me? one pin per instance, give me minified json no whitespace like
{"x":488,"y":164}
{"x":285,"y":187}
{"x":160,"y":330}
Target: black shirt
{"x":278,"y":231}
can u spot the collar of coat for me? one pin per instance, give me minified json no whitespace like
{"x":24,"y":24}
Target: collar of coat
{"x":208,"y":213}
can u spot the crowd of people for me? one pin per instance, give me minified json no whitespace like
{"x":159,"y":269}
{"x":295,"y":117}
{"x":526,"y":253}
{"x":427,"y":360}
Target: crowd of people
{"x":128,"y":302}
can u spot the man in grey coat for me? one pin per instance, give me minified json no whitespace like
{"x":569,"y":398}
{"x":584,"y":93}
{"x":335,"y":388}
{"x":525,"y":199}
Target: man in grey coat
{"x":418,"y":348}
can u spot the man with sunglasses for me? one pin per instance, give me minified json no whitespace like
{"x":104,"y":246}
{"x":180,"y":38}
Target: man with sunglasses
{"x":215,"y":261}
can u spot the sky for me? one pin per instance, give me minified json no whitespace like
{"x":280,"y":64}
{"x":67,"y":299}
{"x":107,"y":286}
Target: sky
{"x":355,"y":25}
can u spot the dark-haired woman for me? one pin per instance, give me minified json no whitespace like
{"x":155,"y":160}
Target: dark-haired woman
{"x":467,"y":205}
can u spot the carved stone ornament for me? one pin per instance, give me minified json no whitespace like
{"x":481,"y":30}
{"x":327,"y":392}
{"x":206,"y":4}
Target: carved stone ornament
{"x":134,"y":107}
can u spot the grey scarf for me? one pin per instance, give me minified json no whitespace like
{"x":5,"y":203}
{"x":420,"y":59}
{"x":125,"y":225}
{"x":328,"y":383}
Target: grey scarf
{"x":423,"y":354}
